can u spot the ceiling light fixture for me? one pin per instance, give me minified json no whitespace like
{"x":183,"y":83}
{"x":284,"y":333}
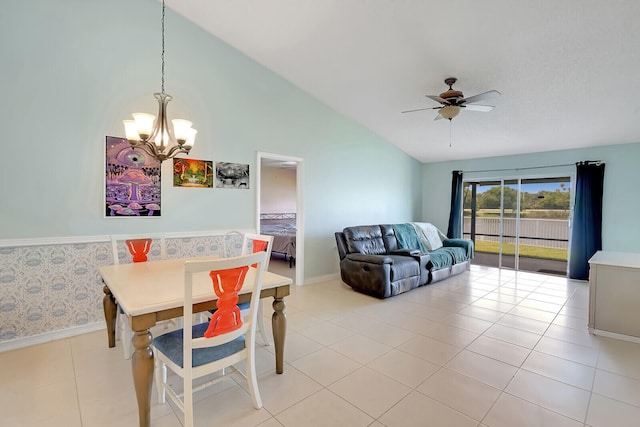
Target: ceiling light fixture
{"x":156,"y":137}
{"x":449,"y":111}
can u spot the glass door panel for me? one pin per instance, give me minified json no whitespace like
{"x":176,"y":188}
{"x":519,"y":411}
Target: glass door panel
{"x":544,"y":225}
{"x":509,"y":214}
{"x":481,"y":220}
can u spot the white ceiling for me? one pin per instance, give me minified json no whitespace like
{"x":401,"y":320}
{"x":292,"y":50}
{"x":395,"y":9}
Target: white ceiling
{"x":568,"y":70}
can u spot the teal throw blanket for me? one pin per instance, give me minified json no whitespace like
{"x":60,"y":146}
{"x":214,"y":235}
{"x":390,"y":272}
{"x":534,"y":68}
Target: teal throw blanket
{"x":447,"y":256}
{"x":407,"y":237}
{"x":465,"y":244}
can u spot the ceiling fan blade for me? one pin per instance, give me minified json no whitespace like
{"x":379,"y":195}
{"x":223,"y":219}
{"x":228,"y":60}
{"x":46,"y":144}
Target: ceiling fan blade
{"x":481,"y":96}
{"x":438,"y":99}
{"x":421,"y":109}
{"x":479,"y":107}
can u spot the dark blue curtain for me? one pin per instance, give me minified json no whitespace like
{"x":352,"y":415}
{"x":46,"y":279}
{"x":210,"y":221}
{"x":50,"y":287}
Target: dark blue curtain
{"x":586,"y":235}
{"x":455,"y":214}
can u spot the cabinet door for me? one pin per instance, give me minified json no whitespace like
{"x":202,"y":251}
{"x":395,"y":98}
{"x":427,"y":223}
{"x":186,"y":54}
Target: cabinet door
{"x":617,"y":300}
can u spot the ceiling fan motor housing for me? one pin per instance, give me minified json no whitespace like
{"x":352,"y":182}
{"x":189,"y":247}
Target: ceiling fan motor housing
{"x":451,"y":95}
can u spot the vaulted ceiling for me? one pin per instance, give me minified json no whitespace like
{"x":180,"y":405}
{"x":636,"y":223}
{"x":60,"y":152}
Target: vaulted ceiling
{"x":568,"y":70}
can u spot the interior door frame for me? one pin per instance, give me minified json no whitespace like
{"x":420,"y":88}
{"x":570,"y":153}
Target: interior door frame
{"x":299,"y":204}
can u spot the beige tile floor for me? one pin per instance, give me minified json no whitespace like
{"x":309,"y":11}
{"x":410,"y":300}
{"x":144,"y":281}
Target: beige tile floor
{"x":487,"y":348}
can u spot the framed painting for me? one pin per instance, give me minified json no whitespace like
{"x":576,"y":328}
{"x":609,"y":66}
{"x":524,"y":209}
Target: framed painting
{"x":232,"y":175}
{"x":132,"y":180}
{"x":192,"y":173}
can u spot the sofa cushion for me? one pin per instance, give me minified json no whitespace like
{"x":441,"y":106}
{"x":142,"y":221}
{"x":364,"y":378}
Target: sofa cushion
{"x":440,"y":259}
{"x":457,"y":254}
{"x":445,"y":257}
{"x":429,"y":235}
{"x":365,"y":239}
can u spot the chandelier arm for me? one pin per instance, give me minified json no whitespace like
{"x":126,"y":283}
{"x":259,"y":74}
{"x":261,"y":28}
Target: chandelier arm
{"x":161,"y":126}
{"x":177,"y":149}
{"x":147,"y":147}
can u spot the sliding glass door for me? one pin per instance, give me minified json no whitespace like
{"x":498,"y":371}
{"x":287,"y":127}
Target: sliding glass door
{"x":520,"y":224}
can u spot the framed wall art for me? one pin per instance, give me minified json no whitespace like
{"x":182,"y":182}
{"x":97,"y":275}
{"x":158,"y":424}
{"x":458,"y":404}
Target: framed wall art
{"x":232,"y":175}
{"x":132,"y":181}
{"x":192,"y":173}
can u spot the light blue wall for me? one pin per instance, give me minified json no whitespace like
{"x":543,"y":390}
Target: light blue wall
{"x":621,"y":199}
{"x":72,"y":70}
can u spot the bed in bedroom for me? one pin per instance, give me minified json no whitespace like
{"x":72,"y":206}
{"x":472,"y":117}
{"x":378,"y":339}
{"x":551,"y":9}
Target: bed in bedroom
{"x":282,"y":226}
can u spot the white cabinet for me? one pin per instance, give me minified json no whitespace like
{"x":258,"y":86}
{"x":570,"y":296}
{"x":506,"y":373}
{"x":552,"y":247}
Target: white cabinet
{"x":614,"y":295}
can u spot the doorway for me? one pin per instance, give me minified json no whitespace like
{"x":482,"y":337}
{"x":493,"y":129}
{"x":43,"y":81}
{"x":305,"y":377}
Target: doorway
{"x":280,"y":211}
{"x":520,"y":224}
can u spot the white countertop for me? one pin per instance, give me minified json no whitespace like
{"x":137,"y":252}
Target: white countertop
{"x":618,"y":259}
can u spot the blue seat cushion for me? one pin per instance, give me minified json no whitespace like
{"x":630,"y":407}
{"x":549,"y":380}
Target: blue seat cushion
{"x":171,"y":344}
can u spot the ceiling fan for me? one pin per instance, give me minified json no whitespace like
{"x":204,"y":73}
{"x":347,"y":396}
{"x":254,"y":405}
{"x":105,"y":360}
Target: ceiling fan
{"x":453,"y":101}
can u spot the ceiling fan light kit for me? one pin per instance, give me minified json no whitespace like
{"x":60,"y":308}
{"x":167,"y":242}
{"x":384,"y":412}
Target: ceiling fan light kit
{"x":452,"y":101}
{"x":449,"y":111}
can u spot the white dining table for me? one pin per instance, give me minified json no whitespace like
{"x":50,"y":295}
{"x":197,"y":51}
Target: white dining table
{"x":149,"y":292}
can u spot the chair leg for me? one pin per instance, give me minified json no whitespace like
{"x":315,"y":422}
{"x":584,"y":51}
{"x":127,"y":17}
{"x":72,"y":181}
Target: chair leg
{"x":125,"y":334}
{"x":161,"y":379}
{"x":260,"y":324}
{"x":252,"y":379}
{"x":188,"y":401}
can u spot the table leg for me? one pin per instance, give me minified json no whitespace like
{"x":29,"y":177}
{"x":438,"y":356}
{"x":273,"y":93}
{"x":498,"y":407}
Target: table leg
{"x":110,"y":309}
{"x":279,"y":326}
{"x":142,"y":368}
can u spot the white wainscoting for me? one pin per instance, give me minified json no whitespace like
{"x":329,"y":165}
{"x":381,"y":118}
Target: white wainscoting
{"x":50,"y":288}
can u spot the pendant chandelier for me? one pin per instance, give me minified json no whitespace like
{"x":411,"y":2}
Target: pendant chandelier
{"x":154,"y":135}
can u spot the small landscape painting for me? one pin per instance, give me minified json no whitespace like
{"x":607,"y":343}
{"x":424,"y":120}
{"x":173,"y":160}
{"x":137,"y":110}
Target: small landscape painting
{"x":132,"y":181}
{"x":192,"y":173}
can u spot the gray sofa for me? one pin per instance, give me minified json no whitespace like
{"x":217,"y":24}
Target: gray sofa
{"x":388,"y":259}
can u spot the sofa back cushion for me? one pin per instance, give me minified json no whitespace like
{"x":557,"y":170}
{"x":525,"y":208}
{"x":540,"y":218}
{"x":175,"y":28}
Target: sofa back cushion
{"x":365,"y":239}
{"x":389,"y":237}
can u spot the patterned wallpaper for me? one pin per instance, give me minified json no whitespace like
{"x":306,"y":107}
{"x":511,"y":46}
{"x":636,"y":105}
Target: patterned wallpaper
{"x":53,"y":287}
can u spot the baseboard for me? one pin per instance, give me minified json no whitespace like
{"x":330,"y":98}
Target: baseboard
{"x":318,"y":279}
{"x":616,"y":335}
{"x":50,"y":336}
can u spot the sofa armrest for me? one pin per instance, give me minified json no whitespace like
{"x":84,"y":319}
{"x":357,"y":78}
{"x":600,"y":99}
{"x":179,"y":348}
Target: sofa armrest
{"x":406,"y":252}
{"x":372,"y":259}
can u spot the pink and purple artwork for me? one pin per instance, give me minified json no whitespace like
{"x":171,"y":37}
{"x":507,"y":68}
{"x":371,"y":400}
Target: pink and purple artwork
{"x":132,"y":181}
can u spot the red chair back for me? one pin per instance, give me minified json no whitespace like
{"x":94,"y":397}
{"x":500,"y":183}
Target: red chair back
{"x":259,"y":246}
{"x":139,"y":248}
{"x":226,"y":284}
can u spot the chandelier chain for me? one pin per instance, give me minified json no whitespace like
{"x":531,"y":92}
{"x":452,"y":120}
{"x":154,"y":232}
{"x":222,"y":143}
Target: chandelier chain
{"x":162,"y":56}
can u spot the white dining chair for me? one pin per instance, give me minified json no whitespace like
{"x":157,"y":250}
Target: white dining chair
{"x":265,"y":244}
{"x":252,"y":242}
{"x":135,"y":248}
{"x":200,"y":350}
